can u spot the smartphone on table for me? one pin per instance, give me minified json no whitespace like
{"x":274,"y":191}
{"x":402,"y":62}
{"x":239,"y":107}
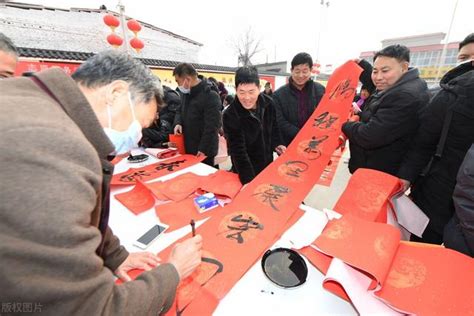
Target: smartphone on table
{"x":147,"y":238}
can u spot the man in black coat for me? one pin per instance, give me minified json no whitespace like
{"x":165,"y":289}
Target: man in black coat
{"x":452,"y":105}
{"x":250,"y":127}
{"x":459,"y":232}
{"x":199,"y":117}
{"x":297,"y":100}
{"x":390,"y":118}
{"x":157,"y":135}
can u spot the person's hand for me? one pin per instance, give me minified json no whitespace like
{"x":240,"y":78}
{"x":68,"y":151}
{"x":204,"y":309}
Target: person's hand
{"x":137,"y":260}
{"x":186,"y":256}
{"x":354,"y":118}
{"x":178,"y":129}
{"x":405,"y":184}
{"x":200,"y":154}
{"x":280,"y":149}
{"x":342,"y":142}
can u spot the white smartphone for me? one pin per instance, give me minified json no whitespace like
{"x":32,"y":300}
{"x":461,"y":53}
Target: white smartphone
{"x":147,"y":238}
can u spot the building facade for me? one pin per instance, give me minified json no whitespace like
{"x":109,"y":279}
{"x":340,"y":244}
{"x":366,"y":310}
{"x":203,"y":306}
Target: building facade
{"x":425,"y":54}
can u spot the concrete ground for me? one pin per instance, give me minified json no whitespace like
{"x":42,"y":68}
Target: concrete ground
{"x":322,"y":196}
{"x":326,"y":197}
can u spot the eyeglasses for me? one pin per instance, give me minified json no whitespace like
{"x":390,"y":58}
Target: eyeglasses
{"x":284,"y":267}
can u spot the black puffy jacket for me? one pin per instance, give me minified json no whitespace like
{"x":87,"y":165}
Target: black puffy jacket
{"x":459,"y":232}
{"x":158,"y":133}
{"x":387,"y":125}
{"x":251,"y":137}
{"x":200,"y":117}
{"x":433,"y":193}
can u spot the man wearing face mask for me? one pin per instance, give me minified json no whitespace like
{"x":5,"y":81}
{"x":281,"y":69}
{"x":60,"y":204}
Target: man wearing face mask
{"x":199,"y":117}
{"x":8,"y":57}
{"x":441,"y":143}
{"x":56,"y":247}
{"x":390,"y":118}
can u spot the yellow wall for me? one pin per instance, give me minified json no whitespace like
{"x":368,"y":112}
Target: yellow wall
{"x":431,"y":72}
{"x":166,"y":76}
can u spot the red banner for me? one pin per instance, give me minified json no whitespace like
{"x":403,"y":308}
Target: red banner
{"x":35,"y":66}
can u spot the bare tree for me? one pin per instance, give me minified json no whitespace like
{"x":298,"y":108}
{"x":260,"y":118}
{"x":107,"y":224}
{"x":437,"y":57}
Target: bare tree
{"x":247,"y":45}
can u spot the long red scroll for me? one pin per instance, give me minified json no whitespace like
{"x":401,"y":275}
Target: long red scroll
{"x":238,"y":235}
{"x":155,"y":170}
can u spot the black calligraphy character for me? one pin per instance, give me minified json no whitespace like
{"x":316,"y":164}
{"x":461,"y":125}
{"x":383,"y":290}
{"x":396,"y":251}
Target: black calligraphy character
{"x":169,"y":166}
{"x":325,"y":122}
{"x":247,"y":224}
{"x":343,"y":89}
{"x":312,"y":148}
{"x":131,"y":177}
{"x":295,"y":168}
{"x":273,"y":194}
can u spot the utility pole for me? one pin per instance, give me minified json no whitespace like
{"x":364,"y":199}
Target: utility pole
{"x":322,"y":4}
{"x":121,"y":9}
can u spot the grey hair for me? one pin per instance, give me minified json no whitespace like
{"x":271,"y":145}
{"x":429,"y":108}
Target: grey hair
{"x":7,"y":46}
{"x":108,"y":66}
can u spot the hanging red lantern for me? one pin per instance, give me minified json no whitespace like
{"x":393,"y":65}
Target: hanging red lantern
{"x":111,"y":21}
{"x":137,"y":44}
{"x":114,"y":40}
{"x":134,"y":26}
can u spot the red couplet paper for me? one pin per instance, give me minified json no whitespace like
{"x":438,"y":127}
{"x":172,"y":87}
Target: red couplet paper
{"x":239,"y":234}
{"x":179,"y":214}
{"x":137,"y":200}
{"x":366,"y":245}
{"x":413,"y":278}
{"x":427,"y":280}
{"x":330,"y":170}
{"x":178,"y":140}
{"x":156,"y":188}
{"x":155,"y":170}
{"x":222,"y":183}
{"x":322,"y":263}
{"x":182,"y":186}
{"x":368,"y":194}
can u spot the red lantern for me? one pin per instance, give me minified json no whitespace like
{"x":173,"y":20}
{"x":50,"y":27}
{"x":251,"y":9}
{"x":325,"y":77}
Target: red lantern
{"x":137,"y":44}
{"x":134,"y":26}
{"x":111,"y":21}
{"x":114,"y":40}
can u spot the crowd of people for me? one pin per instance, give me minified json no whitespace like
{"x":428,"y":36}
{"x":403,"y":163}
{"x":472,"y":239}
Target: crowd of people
{"x":60,"y":132}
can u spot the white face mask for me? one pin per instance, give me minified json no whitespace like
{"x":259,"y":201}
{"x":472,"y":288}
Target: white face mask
{"x":128,"y":139}
{"x":464,"y":62}
{"x":184,"y":90}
